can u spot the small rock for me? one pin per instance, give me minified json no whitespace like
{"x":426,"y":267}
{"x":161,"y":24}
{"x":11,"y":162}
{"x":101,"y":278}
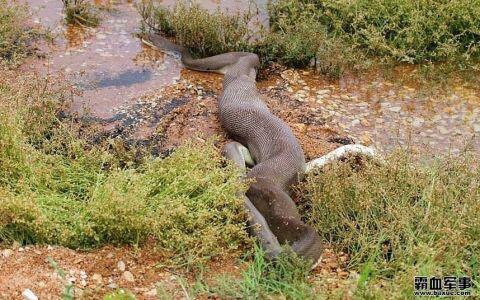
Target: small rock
{"x":345,"y":97}
{"x":322,"y":92}
{"x":128,"y":276}
{"x":365,"y":122}
{"x":355,"y":122}
{"x":443,"y":130}
{"x":97,"y":278}
{"x":7,"y":252}
{"x":151,"y":293}
{"x":121,"y":266}
{"x":476,"y":127}
{"x":29,"y":295}
{"x":417,"y":122}
{"x":395,"y":109}
{"x":113,"y":285}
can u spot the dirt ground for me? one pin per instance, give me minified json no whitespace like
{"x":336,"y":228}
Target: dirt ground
{"x":138,"y":270}
{"x":170,"y":116}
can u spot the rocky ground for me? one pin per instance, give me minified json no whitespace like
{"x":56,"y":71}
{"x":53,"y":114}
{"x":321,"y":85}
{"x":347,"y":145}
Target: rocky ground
{"x":49,"y":271}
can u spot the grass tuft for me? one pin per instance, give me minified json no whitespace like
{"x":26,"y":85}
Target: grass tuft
{"x":287,"y":277}
{"x":56,"y":188}
{"x":80,"y":12}
{"x":401,"y":219}
{"x":14,"y":36}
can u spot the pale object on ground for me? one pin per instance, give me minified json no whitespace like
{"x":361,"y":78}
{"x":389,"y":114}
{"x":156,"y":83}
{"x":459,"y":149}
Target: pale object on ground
{"x":29,"y":295}
{"x":340,"y":153}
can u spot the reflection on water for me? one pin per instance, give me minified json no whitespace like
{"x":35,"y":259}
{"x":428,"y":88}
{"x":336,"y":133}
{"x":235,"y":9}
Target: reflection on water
{"x":110,"y":62}
{"x":126,"y":78}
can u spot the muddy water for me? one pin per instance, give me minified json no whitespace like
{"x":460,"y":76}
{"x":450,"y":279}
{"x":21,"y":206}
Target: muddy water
{"x":114,"y":71}
{"x":108,"y":64}
{"x":380,"y":111}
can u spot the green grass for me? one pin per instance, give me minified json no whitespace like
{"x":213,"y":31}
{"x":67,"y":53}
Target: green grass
{"x":198,"y":29}
{"x":81,"y":12}
{"x":336,"y":35}
{"x":14,"y":36}
{"x":402,"y":219}
{"x":56,"y":188}
{"x":261,"y":279}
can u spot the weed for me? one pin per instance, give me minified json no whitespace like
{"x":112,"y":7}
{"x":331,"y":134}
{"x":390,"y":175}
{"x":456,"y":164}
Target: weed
{"x":55,"y":188}
{"x":286,"y":277}
{"x":80,"y":12}
{"x":68,"y":291}
{"x":198,"y":29}
{"x":400,"y":219}
{"x":14,"y":37}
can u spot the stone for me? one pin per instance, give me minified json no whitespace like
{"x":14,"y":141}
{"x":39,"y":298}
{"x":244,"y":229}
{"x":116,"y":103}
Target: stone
{"x":395,"y":109}
{"x":29,"y":295}
{"x":443,"y":130}
{"x":7,"y":252}
{"x":417,"y":122}
{"x":97,"y":278}
{"x":113,"y":285}
{"x":121,"y":266}
{"x":151,"y":293}
{"x":365,"y":122}
{"x":476,"y":127}
{"x":128,"y":276}
{"x":322,"y":92}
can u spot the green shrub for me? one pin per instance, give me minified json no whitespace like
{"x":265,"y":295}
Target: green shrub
{"x":13,"y":34}
{"x":204,"y":33}
{"x":408,"y":31}
{"x":80,"y":12}
{"x":56,"y":188}
{"x":335,"y":34}
{"x":400,"y":219}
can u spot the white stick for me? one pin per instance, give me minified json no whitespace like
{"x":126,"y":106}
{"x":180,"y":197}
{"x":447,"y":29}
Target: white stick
{"x":340,"y":153}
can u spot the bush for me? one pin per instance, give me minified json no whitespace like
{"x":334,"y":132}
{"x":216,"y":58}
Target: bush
{"x":335,"y":34}
{"x":400,"y":219}
{"x":404,"y":30}
{"x":13,"y":35}
{"x":56,"y":188}
{"x":204,"y":33}
{"x":80,"y":12}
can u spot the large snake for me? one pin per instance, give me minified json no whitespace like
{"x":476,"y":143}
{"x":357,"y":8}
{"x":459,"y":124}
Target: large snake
{"x":263,"y":142}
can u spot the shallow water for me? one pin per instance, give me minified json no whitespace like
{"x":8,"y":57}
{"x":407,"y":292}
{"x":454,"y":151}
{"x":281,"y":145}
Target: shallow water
{"x":113,"y":69}
{"x":396,"y":110}
{"x":109,"y":64}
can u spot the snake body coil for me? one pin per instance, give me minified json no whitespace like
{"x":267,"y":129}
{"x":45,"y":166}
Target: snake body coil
{"x":277,"y":158}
